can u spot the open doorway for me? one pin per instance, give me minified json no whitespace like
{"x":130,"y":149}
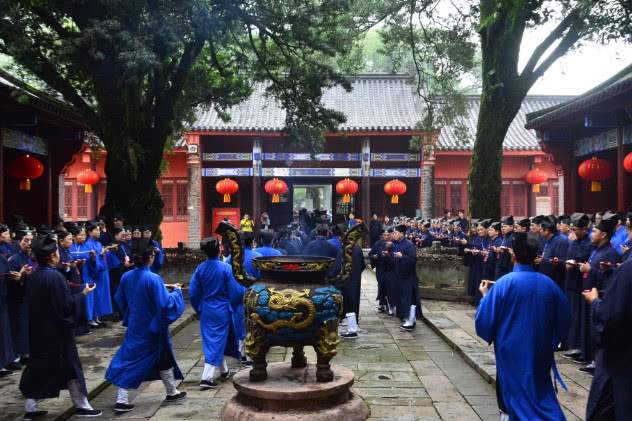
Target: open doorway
{"x":312,"y":197}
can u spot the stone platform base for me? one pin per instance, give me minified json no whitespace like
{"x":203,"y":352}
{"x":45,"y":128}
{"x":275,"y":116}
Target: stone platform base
{"x":294,"y":394}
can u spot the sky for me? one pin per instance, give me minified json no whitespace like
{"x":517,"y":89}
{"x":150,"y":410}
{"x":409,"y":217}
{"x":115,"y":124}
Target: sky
{"x":579,"y":70}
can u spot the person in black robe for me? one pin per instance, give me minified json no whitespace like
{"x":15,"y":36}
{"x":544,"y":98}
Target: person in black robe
{"x":474,"y":255}
{"x":375,"y":229}
{"x":6,"y":344}
{"x":504,"y":263}
{"x":579,"y":251}
{"x":554,"y":252}
{"x":351,"y":294}
{"x":20,"y":267}
{"x":596,"y":274}
{"x":462,"y":221}
{"x":375,"y":259}
{"x":69,"y":268}
{"x":54,"y":362}
{"x":404,"y":256}
{"x":490,"y":257}
{"x":610,"y":395}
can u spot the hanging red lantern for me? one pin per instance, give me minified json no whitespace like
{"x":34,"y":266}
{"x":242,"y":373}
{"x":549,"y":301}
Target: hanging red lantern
{"x":25,"y":169}
{"x":346,"y":187}
{"x":395,"y":188}
{"x":627,"y":162}
{"x":536,"y":177}
{"x":595,"y":170}
{"x":227,"y":187}
{"x":88,"y":177}
{"x":276,"y":188}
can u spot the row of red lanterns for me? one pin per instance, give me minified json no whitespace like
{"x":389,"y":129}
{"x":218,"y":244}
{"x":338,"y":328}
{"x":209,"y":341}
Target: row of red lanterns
{"x":26,"y":168}
{"x":276,"y":188}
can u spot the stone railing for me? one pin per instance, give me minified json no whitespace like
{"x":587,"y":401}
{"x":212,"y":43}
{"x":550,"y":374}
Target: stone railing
{"x":441,"y":274}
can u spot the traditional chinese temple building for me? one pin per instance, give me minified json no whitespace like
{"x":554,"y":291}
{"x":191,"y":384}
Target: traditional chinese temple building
{"x":372,"y":147}
{"x":38,"y":136}
{"x":589,"y":137}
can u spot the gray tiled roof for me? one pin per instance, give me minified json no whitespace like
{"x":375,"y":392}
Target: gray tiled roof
{"x":377,"y":103}
{"x":518,"y":138}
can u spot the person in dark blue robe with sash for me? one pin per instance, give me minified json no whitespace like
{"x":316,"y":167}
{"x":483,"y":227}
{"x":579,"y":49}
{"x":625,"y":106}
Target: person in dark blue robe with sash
{"x":214,"y":293}
{"x":68,"y":267}
{"x":474,"y":251}
{"x":490,"y":257}
{"x":525,"y":315}
{"x":266,"y":249}
{"x":610,"y":395}
{"x":596,"y":274}
{"x":579,"y":251}
{"x":148,"y":309}
{"x":6,"y":343}
{"x":80,"y":252}
{"x":95,"y":270}
{"x":375,"y":259}
{"x":504,"y":263}
{"x":551,"y":262}
{"x":20,"y":267}
{"x":54,"y":363}
{"x":159,"y":260}
{"x":404,"y":257}
{"x":6,"y":245}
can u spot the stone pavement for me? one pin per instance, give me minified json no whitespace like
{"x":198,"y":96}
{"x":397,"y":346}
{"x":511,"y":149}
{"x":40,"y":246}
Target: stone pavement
{"x":454,"y":322}
{"x":402,"y":376}
{"x":96,"y":351}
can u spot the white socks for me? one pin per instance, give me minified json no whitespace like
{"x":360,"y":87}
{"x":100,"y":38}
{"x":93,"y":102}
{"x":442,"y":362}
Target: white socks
{"x":169,"y":380}
{"x":122,"y":396}
{"x":30,"y":405}
{"x":76,"y":395}
{"x":352,"y":326}
{"x":391,"y":309}
{"x":78,"y":398}
{"x":410,"y":321}
{"x":208,"y":374}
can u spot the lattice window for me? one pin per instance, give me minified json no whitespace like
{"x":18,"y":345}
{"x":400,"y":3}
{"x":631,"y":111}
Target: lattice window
{"x":68,"y":199}
{"x":181,"y":199}
{"x":439,"y":199}
{"x":82,"y":202}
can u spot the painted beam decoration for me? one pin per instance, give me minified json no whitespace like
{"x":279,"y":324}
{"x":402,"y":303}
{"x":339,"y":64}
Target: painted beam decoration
{"x":309,"y":157}
{"x":311,"y":172}
{"x":227,"y":172}
{"x":396,"y":172}
{"x":227,"y":156}
{"x":395,"y":157}
{"x":23,"y":142}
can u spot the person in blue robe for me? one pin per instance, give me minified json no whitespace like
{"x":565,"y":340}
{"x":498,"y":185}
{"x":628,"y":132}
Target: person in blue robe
{"x":95,"y":270}
{"x":320,"y":246}
{"x":6,"y":245}
{"x":118,"y":263}
{"x":596,"y":273}
{"x":148,"y":308}
{"x":425,"y":236}
{"x":490,"y":257}
{"x":626,"y":247}
{"x":214,"y":294}
{"x":375,"y":259}
{"x":579,"y":251}
{"x":54,"y":363}
{"x":20,"y":267}
{"x":525,"y":315}
{"x":504,"y":263}
{"x":475,"y":250}
{"x":80,"y":252}
{"x":266,"y":249}
{"x":6,"y":343}
{"x":238,"y":308}
{"x":554,"y":252}
{"x":610,"y":396}
{"x":620,"y":235}
{"x":69,"y":269}
{"x":404,"y":257}
{"x":159,"y":260}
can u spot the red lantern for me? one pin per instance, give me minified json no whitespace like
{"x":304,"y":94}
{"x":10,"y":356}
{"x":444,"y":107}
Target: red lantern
{"x":25,"y":169}
{"x":88,"y":177}
{"x":227,"y":187}
{"x":536,"y":177}
{"x":275,"y":187}
{"x":627,"y":162}
{"x":346,"y":187}
{"x":395,"y":188}
{"x":595,"y":170}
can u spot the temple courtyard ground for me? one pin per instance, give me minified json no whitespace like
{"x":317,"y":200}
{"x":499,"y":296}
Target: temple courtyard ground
{"x":440,"y":371}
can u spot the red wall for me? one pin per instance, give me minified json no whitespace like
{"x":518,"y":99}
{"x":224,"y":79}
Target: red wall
{"x":514,"y":167}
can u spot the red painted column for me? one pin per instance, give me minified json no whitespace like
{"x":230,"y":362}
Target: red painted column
{"x":622,"y":202}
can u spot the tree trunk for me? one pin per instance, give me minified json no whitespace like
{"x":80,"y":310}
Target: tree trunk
{"x":132,"y":168}
{"x":495,"y":116}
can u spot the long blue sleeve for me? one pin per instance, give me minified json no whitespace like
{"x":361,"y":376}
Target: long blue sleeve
{"x":195,"y":292}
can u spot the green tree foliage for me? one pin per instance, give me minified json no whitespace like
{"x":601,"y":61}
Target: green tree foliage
{"x":137,"y":69}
